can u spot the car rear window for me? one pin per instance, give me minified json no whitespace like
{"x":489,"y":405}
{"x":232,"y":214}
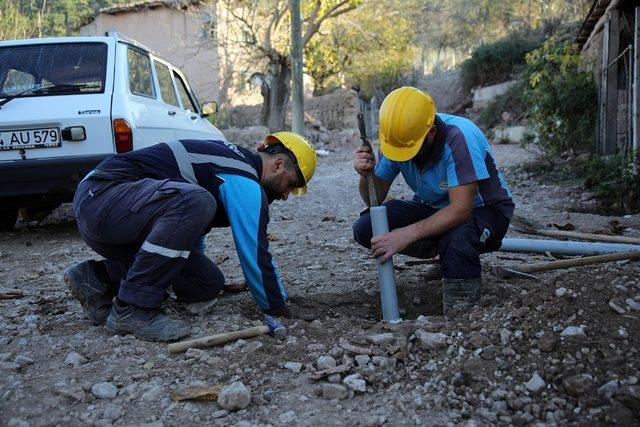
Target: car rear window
{"x":52,"y":69}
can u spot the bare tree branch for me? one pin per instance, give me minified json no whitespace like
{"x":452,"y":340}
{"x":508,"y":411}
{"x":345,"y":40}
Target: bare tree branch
{"x":336,"y":10}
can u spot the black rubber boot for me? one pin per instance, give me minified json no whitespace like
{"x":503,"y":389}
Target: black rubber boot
{"x":148,"y":324}
{"x":87,"y":285}
{"x":460,"y":295}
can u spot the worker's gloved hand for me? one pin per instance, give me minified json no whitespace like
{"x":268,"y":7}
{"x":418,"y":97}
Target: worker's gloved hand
{"x":363,"y":160}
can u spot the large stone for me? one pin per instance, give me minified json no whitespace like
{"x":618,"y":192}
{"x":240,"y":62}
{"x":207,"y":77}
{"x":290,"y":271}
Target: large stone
{"x":293,"y":366}
{"x":535,"y":384}
{"x":104,"y":390}
{"x":325,"y":362}
{"x":431,"y":340}
{"x":547,"y":342}
{"x":574,"y":332}
{"x":75,"y":359}
{"x":609,"y":389}
{"x":234,"y":397}
{"x":355,"y":382}
{"x":576,"y":385}
{"x":334,"y":391}
{"x":477,"y":340}
{"x":381,"y":338}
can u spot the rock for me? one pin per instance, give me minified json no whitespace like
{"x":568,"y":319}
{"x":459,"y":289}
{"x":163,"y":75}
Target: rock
{"x":74,"y":392}
{"x":355,"y":382}
{"x":293,"y":366}
{"x":316,"y":347}
{"x":609,"y":389}
{"x":381,"y":338}
{"x":334,"y":378}
{"x":17,"y":422}
{"x":576,"y":385}
{"x":252,"y":347}
{"x":574,"y":332}
{"x":535,"y":384}
{"x":234,"y":397}
{"x":430,"y":340}
{"x":490,"y":352}
{"x":334,"y":391}
{"x":75,"y":359}
{"x":384,"y":362}
{"x":547,"y":342}
{"x":629,"y":396}
{"x":220,"y":414}
{"x":521,"y":312}
{"x":633,"y":305}
{"x":196,"y":353}
{"x":23,"y":360}
{"x":561,"y":292}
{"x":153,"y":393}
{"x":362,"y":359}
{"x":287,"y":417}
{"x":104,"y":390}
{"x":477,"y":340}
{"x":615,"y":307}
{"x":505,"y":336}
{"x":112,"y":412}
{"x":325,"y":362}
{"x":9,"y":366}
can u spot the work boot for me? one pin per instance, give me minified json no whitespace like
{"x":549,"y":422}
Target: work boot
{"x":459,"y":295}
{"x":148,"y":324}
{"x":93,"y":292}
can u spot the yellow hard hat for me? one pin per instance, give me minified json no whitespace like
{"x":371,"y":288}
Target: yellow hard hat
{"x":303,"y":151}
{"x":406,"y":116}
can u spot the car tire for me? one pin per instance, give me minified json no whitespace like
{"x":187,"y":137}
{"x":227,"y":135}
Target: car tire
{"x":8,"y":219}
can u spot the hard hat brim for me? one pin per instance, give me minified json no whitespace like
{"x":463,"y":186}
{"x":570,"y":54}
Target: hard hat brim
{"x":401,"y":154}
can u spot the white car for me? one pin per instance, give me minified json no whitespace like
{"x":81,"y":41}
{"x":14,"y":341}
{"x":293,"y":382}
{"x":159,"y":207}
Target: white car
{"x":68,"y":103}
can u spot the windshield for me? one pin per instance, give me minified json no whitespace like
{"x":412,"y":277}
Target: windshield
{"x":73,"y":67}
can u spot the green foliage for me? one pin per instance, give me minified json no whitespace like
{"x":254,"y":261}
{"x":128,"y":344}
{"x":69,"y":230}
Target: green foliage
{"x":562,"y":99}
{"x":496,"y":62}
{"x":511,"y":101}
{"x":615,"y":181}
{"x":372,"y":48}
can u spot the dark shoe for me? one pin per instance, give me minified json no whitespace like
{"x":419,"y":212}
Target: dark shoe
{"x":460,"y":295}
{"x":93,"y":292}
{"x":148,"y":324}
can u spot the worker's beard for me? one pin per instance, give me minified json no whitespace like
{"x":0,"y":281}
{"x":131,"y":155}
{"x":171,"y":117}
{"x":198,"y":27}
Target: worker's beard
{"x":269,"y":189}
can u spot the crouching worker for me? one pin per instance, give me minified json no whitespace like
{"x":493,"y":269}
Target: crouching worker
{"x":462,"y":205}
{"x":145,"y":212}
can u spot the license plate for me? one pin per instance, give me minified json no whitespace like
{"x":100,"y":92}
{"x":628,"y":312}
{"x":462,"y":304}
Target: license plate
{"x":29,"y":138}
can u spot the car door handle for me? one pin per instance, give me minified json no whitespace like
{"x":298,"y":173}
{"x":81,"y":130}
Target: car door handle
{"x":172,"y":113}
{"x":194,"y":117}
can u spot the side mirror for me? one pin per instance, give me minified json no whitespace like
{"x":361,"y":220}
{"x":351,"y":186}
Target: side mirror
{"x":209,"y":108}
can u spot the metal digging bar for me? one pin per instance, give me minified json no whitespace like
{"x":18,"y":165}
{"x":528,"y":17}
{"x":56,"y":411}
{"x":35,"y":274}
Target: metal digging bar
{"x":380,"y":225}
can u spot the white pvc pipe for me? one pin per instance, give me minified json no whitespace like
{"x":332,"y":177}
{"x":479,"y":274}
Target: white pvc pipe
{"x":386,"y":277}
{"x":564,"y":247}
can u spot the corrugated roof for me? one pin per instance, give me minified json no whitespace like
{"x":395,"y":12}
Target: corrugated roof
{"x":595,"y":13}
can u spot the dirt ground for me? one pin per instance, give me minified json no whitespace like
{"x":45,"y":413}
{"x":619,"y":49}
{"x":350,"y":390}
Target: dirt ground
{"x":559,"y":351}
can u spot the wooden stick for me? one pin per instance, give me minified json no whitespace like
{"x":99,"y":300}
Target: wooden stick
{"x":589,"y":236}
{"x":213,"y":340}
{"x":576,"y":262}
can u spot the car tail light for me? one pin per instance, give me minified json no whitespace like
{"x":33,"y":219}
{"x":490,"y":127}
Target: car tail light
{"x":123,"y":136}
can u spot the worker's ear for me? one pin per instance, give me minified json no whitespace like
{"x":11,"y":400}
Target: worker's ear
{"x":279,"y":165}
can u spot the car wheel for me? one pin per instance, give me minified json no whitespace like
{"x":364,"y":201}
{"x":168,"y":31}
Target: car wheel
{"x":8,"y":219}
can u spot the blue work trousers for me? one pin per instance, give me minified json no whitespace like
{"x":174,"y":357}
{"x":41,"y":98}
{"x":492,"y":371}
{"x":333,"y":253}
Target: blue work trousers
{"x":148,"y":232}
{"x":459,"y":248}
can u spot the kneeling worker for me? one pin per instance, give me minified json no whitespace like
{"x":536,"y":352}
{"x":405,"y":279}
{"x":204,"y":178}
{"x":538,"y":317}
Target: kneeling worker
{"x":462,"y":205}
{"x":145,"y":212}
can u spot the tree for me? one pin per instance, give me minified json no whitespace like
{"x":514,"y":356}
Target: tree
{"x":371,"y":48}
{"x":14,"y":22}
{"x":260,"y":28}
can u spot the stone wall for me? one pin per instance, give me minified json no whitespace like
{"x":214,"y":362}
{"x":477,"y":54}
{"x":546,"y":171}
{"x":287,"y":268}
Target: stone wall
{"x":334,"y":111}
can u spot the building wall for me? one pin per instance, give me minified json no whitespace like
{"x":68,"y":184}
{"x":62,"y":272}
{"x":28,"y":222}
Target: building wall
{"x":175,"y":35}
